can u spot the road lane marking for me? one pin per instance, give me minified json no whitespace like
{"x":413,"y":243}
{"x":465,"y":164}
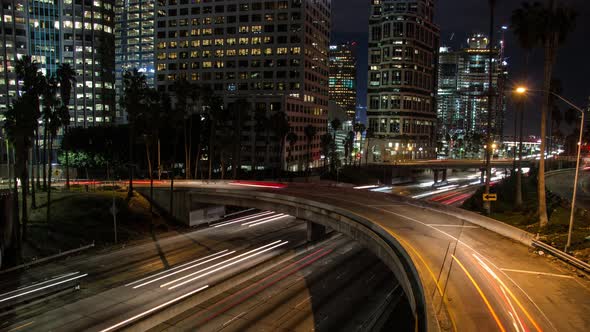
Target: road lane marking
{"x":153,"y":309}
{"x":249,"y":254}
{"x":21,"y":326}
{"x":185,"y":269}
{"x":44,"y":287}
{"x":539,"y":273}
{"x":233,"y":319}
{"x":460,"y":226}
{"x":483,"y":296}
{"x":40,"y":283}
{"x":495,"y":276}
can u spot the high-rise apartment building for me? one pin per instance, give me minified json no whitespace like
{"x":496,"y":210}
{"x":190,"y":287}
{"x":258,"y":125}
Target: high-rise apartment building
{"x":270,"y":54}
{"x":134,"y":40}
{"x":463,"y":92}
{"x":78,"y":32}
{"x":343,"y":77}
{"x":403,"y":47}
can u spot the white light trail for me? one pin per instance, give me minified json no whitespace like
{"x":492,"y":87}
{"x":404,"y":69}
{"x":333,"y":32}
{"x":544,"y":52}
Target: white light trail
{"x":264,"y":222}
{"x":40,"y":283}
{"x":228,"y":263}
{"x":176,"y":267}
{"x":263,"y":219}
{"x":182,"y":270}
{"x":382,"y":189}
{"x":366,"y":187}
{"x":153,"y":309}
{"x":44,"y":287}
{"x":235,"y":221}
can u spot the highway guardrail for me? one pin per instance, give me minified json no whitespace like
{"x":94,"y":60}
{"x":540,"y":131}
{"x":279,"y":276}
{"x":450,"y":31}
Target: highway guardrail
{"x":563,"y":256}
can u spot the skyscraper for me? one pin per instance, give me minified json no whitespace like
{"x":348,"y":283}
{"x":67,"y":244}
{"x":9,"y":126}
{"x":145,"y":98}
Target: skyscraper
{"x":78,"y":32}
{"x":403,"y":47}
{"x":463,"y":90}
{"x":343,"y":77}
{"x":272,"y":55}
{"x":134,"y":40}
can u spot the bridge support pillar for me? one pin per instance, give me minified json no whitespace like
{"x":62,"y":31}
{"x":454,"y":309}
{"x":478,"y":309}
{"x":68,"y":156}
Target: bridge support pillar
{"x":315,"y":232}
{"x":444,"y":175}
{"x":483,"y":176}
{"x":435,"y":171}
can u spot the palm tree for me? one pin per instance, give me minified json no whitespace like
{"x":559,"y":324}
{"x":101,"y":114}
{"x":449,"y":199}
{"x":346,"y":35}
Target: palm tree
{"x":133,"y":102}
{"x":55,"y":115}
{"x":359,"y":128}
{"x":66,"y":77}
{"x":217,"y":115}
{"x":326,"y":143}
{"x":240,"y":114}
{"x":149,"y":125}
{"x":280,"y":125}
{"x":19,"y":124}
{"x":548,"y":27}
{"x":336,"y":125}
{"x":184,"y":91}
{"x":369,"y":135}
{"x":310,"y":133}
{"x":260,"y":124}
{"x":292,"y":138}
{"x":348,"y":146}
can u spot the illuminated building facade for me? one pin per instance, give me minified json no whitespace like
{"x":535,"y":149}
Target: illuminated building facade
{"x":272,"y":54}
{"x":134,"y":40}
{"x":403,"y":52}
{"x":463,"y":92}
{"x":343,"y":77}
{"x":78,"y":32}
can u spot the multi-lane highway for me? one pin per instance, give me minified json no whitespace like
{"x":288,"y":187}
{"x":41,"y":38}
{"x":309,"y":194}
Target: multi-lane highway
{"x":474,"y":279}
{"x":126,"y":286}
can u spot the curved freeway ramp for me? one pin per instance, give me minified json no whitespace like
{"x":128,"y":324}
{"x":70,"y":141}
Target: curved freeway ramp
{"x":460,"y":271}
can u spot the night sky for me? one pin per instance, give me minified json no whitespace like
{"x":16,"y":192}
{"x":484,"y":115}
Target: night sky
{"x":458,"y":19}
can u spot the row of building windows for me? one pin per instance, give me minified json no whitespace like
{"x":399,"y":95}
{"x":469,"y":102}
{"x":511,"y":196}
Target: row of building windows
{"x":396,"y":102}
{"x":400,"y":126}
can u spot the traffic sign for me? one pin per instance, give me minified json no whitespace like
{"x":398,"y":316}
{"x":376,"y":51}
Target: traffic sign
{"x":490,"y":197}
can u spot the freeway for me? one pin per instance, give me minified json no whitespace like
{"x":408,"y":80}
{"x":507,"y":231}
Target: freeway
{"x":486,"y":282}
{"x":473,"y":278}
{"x":339,"y":282}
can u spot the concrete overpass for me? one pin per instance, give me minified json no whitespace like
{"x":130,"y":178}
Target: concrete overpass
{"x":460,"y":271}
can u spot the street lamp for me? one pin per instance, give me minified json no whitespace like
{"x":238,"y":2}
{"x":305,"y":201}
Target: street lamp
{"x":523,"y":90}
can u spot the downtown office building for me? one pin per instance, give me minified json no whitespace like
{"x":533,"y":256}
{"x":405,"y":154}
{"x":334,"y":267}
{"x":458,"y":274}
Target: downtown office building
{"x":343,"y":77}
{"x":272,"y":55}
{"x":463,"y":92}
{"x":77,"y":32}
{"x":403,"y":52}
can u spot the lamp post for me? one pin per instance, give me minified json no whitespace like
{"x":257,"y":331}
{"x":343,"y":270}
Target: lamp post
{"x":522,"y":91}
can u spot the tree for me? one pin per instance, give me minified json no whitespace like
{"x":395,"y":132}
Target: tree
{"x":525,"y":21}
{"x":216,"y":113}
{"x":549,"y":27}
{"x":240,"y":113}
{"x":187,"y":98}
{"x":359,"y":129}
{"x":66,"y":77}
{"x":280,"y":125}
{"x":310,"y":132}
{"x":326,"y":144}
{"x":292,"y":138}
{"x":348,"y":147}
{"x":260,"y":124}
{"x":133,"y":102}
{"x":336,"y":125}
{"x":55,"y":115}
{"x":19,"y":125}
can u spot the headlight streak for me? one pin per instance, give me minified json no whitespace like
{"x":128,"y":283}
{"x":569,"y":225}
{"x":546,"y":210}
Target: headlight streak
{"x":177,"y":267}
{"x":264,"y":222}
{"x":40,"y":283}
{"x":495,"y":276}
{"x":235,"y":221}
{"x":222,"y":267}
{"x":44,"y":287}
{"x":263,"y":219}
{"x":125,"y":322}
